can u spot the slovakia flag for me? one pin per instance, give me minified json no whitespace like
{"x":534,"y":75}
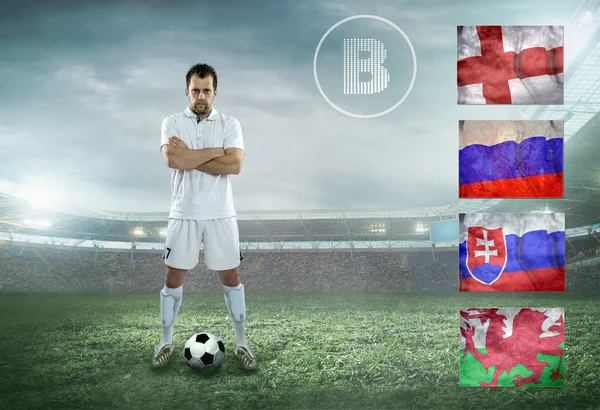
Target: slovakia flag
{"x":510,"y":65}
{"x":511,"y":159}
{"x":504,"y":252}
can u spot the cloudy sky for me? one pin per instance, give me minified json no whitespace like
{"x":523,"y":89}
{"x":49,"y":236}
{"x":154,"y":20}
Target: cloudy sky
{"x":85,"y":87}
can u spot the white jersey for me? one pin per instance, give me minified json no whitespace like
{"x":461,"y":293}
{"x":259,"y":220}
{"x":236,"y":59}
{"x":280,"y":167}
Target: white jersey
{"x":195,"y":194}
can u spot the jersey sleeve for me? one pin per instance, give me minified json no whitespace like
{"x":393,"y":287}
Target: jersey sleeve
{"x":168,"y":129}
{"x":233,"y":135}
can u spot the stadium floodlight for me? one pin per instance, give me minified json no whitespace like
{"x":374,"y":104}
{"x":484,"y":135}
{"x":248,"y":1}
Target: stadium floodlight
{"x":377,"y":227}
{"x":421,"y":228}
{"x":377,"y":230}
{"x":163,"y":232}
{"x":138,"y":232}
{"x":37,"y":224}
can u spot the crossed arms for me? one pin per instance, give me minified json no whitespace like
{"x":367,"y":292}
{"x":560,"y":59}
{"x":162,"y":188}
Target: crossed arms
{"x":214,"y":161}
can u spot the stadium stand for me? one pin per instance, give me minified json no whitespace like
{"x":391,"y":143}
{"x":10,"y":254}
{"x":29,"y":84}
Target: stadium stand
{"x":51,"y":269}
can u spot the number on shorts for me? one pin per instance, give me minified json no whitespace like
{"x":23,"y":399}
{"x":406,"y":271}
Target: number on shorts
{"x":167,"y":255}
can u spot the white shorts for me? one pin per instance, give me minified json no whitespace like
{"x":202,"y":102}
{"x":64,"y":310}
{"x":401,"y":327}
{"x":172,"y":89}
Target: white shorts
{"x":221,"y":239}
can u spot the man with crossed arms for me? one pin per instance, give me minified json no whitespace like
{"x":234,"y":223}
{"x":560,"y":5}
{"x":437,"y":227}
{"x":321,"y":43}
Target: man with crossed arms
{"x":203,"y":147}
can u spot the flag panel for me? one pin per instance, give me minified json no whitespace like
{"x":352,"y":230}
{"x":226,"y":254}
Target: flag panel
{"x":511,"y":159}
{"x":511,"y":64}
{"x":508,"y":347}
{"x":512,"y":252}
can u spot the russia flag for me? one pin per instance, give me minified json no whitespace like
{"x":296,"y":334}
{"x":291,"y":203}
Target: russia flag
{"x":517,"y":252}
{"x":511,"y":159}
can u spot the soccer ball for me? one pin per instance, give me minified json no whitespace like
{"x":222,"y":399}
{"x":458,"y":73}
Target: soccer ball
{"x":204,"y":352}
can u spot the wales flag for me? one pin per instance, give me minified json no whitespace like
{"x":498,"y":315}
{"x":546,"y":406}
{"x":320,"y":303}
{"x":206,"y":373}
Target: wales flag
{"x":507,"y":347}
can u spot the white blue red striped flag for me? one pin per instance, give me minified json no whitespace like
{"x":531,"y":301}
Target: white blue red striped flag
{"x":512,"y":252}
{"x":511,"y":159}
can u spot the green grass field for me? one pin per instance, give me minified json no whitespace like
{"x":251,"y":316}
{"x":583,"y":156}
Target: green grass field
{"x":352,"y":351}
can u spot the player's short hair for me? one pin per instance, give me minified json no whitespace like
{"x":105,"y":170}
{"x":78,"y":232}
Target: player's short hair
{"x":201,"y":70}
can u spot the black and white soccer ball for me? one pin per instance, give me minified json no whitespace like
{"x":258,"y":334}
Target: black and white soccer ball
{"x":204,"y":352}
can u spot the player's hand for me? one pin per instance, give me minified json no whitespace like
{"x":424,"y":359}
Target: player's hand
{"x":176,"y":142}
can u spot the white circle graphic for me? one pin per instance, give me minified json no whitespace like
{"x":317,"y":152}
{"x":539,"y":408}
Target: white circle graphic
{"x":412,"y":51}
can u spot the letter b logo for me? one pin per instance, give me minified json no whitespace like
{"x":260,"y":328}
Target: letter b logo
{"x":355,"y":65}
{"x":367,"y":68}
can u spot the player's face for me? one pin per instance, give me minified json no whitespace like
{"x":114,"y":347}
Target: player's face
{"x":201,"y":93}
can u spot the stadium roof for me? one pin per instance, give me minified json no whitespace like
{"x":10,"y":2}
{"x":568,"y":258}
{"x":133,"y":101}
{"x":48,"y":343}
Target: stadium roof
{"x":581,"y":113}
{"x":582,"y":92}
{"x":17,"y":215}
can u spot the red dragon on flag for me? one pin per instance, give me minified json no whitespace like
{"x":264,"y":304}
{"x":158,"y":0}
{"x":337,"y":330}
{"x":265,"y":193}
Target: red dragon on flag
{"x":522,"y":346}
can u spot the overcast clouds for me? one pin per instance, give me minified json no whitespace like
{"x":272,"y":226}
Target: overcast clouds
{"x":86,"y":86}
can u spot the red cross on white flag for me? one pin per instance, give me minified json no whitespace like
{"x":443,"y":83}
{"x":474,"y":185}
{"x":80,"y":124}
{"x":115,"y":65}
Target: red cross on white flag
{"x":510,"y":65}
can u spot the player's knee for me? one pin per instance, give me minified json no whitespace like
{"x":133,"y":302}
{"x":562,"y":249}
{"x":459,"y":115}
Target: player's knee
{"x":175,"y":277}
{"x":230,"y":277}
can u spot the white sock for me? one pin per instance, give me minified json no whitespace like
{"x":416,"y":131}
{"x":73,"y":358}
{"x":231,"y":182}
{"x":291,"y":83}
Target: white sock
{"x":236,"y":306}
{"x":170,"y":301}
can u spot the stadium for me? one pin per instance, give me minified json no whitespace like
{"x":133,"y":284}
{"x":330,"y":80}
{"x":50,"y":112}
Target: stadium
{"x":349,"y":308}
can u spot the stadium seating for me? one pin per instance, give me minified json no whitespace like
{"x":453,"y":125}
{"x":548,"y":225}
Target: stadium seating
{"x":55,"y":269}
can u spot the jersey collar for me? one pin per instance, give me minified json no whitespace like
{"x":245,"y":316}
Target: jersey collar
{"x":188,"y":113}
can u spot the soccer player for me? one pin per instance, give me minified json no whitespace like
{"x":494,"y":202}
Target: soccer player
{"x":203,"y":147}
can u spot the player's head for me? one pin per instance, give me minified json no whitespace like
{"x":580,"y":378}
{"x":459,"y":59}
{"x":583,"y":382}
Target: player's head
{"x":201,"y":87}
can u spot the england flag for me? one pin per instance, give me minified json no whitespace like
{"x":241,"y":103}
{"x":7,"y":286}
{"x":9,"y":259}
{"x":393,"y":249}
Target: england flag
{"x":510,"y":65}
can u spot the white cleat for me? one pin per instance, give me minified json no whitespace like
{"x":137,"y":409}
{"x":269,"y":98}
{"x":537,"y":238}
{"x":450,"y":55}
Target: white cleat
{"x":162,"y":355}
{"x":245,"y":357}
